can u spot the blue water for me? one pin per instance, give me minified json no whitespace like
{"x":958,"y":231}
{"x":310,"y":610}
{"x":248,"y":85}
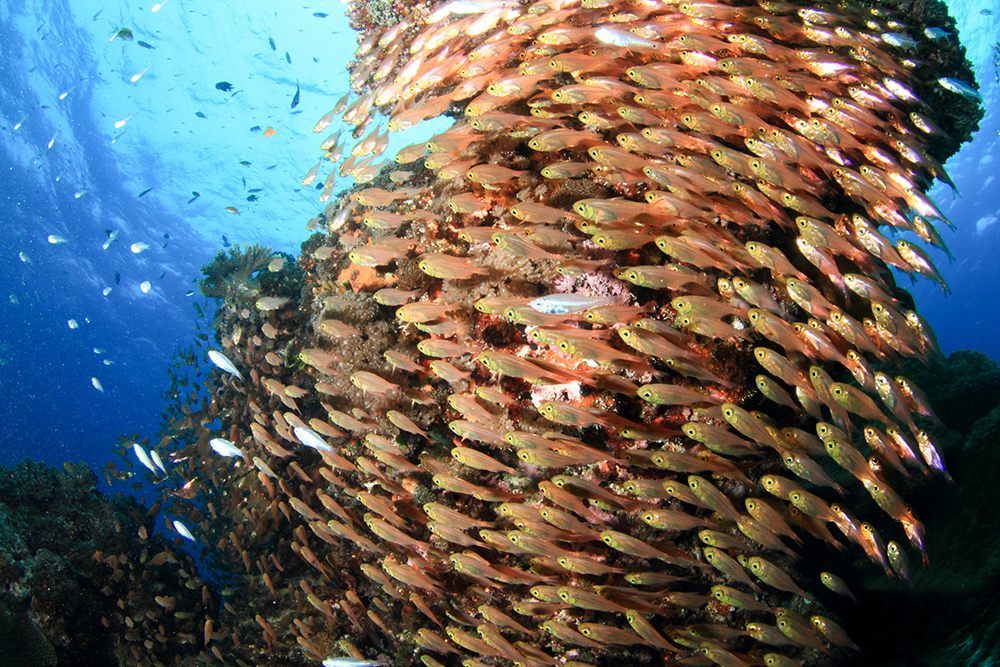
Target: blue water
{"x":90,"y":180}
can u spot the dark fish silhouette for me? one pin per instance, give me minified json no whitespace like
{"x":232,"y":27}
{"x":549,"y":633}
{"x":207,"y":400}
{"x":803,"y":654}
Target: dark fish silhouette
{"x":288,"y":57}
{"x":224,"y":86}
{"x":118,"y":278}
{"x":320,"y":15}
{"x":145,"y":192}
{"x":295,"y":99}
{"x":270,"y":40}
{"x":145,"y":45}
{"x":195,"y":195}
{"x":200,"y":114}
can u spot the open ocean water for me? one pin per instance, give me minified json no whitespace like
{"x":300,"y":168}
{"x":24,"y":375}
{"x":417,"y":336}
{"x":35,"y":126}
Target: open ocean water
{"x":138,"y":139}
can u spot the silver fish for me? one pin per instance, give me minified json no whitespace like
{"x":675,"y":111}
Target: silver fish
{"x":223,"y":362}
{"x":560,"y":304}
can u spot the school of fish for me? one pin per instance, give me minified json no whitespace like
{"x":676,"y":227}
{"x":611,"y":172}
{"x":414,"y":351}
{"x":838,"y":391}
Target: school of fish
{"x":579,"y":379}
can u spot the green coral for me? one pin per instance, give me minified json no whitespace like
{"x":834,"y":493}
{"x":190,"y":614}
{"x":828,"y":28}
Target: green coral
{"x":24,"y":644}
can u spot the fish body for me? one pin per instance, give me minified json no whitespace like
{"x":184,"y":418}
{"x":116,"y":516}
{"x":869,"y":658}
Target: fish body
{"x":559,"y":304}
{"x":183,"y":531}
{"x":222,"y":362}
{"x":225,"y":448}
{"x":959,"y":87}
{"x":143,"y":456}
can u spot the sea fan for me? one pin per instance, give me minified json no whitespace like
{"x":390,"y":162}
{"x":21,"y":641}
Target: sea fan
{"x":232,"y":268}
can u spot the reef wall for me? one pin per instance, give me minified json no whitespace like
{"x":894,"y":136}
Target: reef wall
{"x":610,"y":369}
{"x":83,"y":581}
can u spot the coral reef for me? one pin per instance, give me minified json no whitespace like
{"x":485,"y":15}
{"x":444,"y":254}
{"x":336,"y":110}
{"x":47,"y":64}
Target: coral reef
{"x":83,"y":582}
{"x":23,"y":642}
{"x":610,"y":371}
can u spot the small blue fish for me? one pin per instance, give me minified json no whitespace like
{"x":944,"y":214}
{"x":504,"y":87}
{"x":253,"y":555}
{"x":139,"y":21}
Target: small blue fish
{"x":959,"y":87}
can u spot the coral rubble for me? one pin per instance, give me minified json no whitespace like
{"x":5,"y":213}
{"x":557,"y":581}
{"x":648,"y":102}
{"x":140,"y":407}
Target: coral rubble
{"x":603,"y":372}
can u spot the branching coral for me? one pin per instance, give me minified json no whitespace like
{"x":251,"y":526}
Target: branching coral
{"x":602,"y":378}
